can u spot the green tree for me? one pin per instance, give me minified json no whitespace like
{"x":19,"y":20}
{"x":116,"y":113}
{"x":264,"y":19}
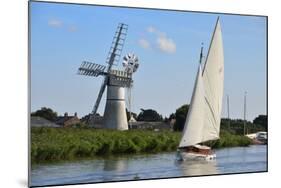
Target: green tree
{"x":149,"y":115}
{"x":46,"y":113}
{"x":172,"y":116}
{"x":180,"y":115}
{"x":261,"y":120}
{"x":237,"y":126}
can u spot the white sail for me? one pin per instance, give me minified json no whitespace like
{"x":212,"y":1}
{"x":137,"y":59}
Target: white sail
{"x":194,"y":124}
{"x":213,"y":77}
{"x":204,"y":115}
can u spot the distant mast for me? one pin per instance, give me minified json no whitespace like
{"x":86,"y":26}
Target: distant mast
{"x":228,"y":116}
{"x":245,"y":109}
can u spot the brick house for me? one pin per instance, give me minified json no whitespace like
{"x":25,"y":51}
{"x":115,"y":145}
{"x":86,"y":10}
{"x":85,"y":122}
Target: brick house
{"x":95,"y":122}
{"x":67,"y":121}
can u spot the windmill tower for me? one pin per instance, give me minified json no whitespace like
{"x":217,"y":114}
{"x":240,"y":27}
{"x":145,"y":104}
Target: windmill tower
{"x":115,"y":80}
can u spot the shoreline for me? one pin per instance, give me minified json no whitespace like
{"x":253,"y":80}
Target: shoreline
{"x":67,"y":144}
{"x":120,"y":156}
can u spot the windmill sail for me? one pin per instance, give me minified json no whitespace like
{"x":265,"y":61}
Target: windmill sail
{"x":203,"y":118}
{"x":113,"y":56}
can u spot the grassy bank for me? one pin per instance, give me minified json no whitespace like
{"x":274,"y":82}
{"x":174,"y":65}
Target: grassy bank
{"x":229,"y":140}
{"x":61,"y":143}
{"x":49,"y":144}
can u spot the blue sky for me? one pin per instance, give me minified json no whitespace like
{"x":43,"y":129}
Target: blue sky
{"x":167,"y":44}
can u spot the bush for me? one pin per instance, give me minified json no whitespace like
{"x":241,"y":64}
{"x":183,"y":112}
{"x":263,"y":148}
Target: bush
{"x":149,"y":115}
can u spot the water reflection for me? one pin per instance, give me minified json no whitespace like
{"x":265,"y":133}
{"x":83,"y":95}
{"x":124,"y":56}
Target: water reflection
{"x":161,"y":165}
{"x":195,"y":168}
{"x":115,"y":164}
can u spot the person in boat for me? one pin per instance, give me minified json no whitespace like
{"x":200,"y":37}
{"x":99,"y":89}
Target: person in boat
{"x":199,"y":149}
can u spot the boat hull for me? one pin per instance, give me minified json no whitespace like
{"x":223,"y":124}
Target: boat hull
{"x":191,"y":156}
{"x":196,"y":152}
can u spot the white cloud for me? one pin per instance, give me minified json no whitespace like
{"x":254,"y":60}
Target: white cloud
{"x":163,"y":42}
{"x":55,"y":23}
{"x":166,"y":44}
{"x":144,"y":43}
{"x":151,"y":29}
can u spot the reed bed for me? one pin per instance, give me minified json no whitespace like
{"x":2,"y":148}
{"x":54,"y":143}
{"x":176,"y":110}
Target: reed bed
{"x":51,"y":144}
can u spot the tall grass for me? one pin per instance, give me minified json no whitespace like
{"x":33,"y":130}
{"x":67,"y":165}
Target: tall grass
{"x":229,"y":140}
{"x":49,"y":144}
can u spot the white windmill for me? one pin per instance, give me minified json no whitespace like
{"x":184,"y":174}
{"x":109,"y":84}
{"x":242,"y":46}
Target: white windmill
{"x":115,"y":80}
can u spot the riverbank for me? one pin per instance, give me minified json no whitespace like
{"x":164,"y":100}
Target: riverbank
{"x":51,"y":144}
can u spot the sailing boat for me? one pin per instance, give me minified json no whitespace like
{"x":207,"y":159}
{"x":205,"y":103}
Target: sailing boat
{"x":204,"y":115}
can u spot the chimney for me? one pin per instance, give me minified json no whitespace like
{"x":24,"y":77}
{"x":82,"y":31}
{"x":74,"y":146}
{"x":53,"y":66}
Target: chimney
{"x":75,"y":114}
{"x":65,"y":114}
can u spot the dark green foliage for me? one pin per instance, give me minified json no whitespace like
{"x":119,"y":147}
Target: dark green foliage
{"x":236,"y":126}
{"x":262,"y":121}
{"x":149,"y":115}
{"x":172,"y":116}
{"x":180,"y":117}
{"x":46,"y":113}
{"x":233,"y":126}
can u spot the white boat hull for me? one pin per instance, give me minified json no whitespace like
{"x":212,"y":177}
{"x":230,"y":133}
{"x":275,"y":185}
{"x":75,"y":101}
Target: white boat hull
{"x":190,"y":156}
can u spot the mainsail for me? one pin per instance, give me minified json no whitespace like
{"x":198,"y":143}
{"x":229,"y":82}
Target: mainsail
{"x":204,"y":114}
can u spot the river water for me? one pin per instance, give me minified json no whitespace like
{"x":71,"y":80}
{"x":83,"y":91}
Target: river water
{"x":161,"y":165}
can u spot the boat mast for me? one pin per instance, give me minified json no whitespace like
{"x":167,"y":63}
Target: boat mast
{"x":201,"y":54}
{"x":228,"y":112}
{"x":245,"y":106}
{"x":210,"y":44}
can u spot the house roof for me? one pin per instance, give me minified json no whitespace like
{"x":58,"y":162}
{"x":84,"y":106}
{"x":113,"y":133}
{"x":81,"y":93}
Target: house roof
{"x":62,"y":119}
